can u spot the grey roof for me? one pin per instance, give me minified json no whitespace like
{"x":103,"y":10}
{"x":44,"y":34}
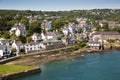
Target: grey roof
{"x":54,"y":34}
{"x":37,"y":34}
{"x":107,"y":33}
{"x":1,"y":47}
{"x":4,"y":41}
{"x":19,"y":26}
{"x":19,"y":43}
{"x":32,"y":43}
{"x":92,"y":42}
{"x":50,"y":33}
{"x":51,"y":40}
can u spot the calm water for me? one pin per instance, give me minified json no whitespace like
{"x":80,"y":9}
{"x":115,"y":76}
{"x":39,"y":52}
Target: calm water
{"x":91,"y":67}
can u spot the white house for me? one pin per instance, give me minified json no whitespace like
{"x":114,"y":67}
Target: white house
{"x":70,"y":29}
{"x":65,"y":31}
{"x":18,"y":29}
{"x":93,"y":44}
{"x":17,"y":46}
{"x":49,"y":35}
{"x":43,"y":45}
{"x":43,"y":36}
{"x":37,"y":37}
{"x":4,"y":48}
{"x":32,"y":46}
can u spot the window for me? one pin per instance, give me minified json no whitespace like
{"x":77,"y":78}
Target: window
{"x":3,"y":53}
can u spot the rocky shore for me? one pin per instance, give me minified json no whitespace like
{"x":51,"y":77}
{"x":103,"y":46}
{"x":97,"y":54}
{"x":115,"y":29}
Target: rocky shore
{"x":44,"y":58}
{"x":52,"y":56}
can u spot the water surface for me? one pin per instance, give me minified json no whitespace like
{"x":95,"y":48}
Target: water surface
{"x":91,"y":67}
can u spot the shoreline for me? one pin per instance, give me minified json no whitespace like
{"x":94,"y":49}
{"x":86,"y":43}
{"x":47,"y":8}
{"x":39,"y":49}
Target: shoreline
{"x":49,"y":58}
{"x":45,"y":58}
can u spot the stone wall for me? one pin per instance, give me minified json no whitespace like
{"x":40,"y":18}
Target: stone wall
{"x":55,"y":46}
{"x":21,"y":74}
{"x":9,"y":59}
{"x":54,"y":51}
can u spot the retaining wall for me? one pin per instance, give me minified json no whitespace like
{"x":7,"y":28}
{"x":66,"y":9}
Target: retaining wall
{"x":21,"y":74}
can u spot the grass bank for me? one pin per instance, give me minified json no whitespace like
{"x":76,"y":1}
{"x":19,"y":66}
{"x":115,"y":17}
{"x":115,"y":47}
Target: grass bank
{"x":12,"y":69}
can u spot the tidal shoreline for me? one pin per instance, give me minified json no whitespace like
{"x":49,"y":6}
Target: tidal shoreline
{"x":44,"y":58}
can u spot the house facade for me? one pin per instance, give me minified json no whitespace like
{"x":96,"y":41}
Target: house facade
{"x":4,"y":48}
{"x":52,"y":35}
{"x":112,"y":24}
{"x":51,"y":44}
{"x":37,"y":37}
{"x":94,"y":45}
{"x":104,"y":36}
{"x":87,"y":28}
{"x":18,"y":29}
{"x":17,"y":46}
{"x":32,"y":46}
{"x":69,"y":40}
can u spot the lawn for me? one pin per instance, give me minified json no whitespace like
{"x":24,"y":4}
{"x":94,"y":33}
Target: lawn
{"x":11,"y":69}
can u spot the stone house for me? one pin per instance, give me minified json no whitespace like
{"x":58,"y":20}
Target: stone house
{"x":104,"y":36}
{"x":51,"y":44}
{"x":112,"y":24}
{"x":46,"y":25}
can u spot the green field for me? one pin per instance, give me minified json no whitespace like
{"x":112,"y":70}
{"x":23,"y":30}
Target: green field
{"x":11,"y":69}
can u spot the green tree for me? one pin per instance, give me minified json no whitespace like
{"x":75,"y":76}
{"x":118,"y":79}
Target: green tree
{"x":5,"y":35}
{"x":21,"y":38}
{"x":59,"y":23}
{"x":29,"y":39}
{"x":34,"y":27}
{"x":25,"y":21}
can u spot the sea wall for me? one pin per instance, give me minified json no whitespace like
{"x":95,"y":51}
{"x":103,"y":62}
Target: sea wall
{"x":9,"y":59}
{"x":54,"y":51}
{"x":20,"y":74}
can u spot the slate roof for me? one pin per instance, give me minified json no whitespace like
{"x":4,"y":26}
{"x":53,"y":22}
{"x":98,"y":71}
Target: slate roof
{"x":3,"y":41}
{"x":32,"y":43}
{"x":93,"y":42}
{"x":19,"y":43}
{"x":1,"y":47}
{"x":21,"y":27}
{"x":37,"y":34}
{"x":107,"y":33}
